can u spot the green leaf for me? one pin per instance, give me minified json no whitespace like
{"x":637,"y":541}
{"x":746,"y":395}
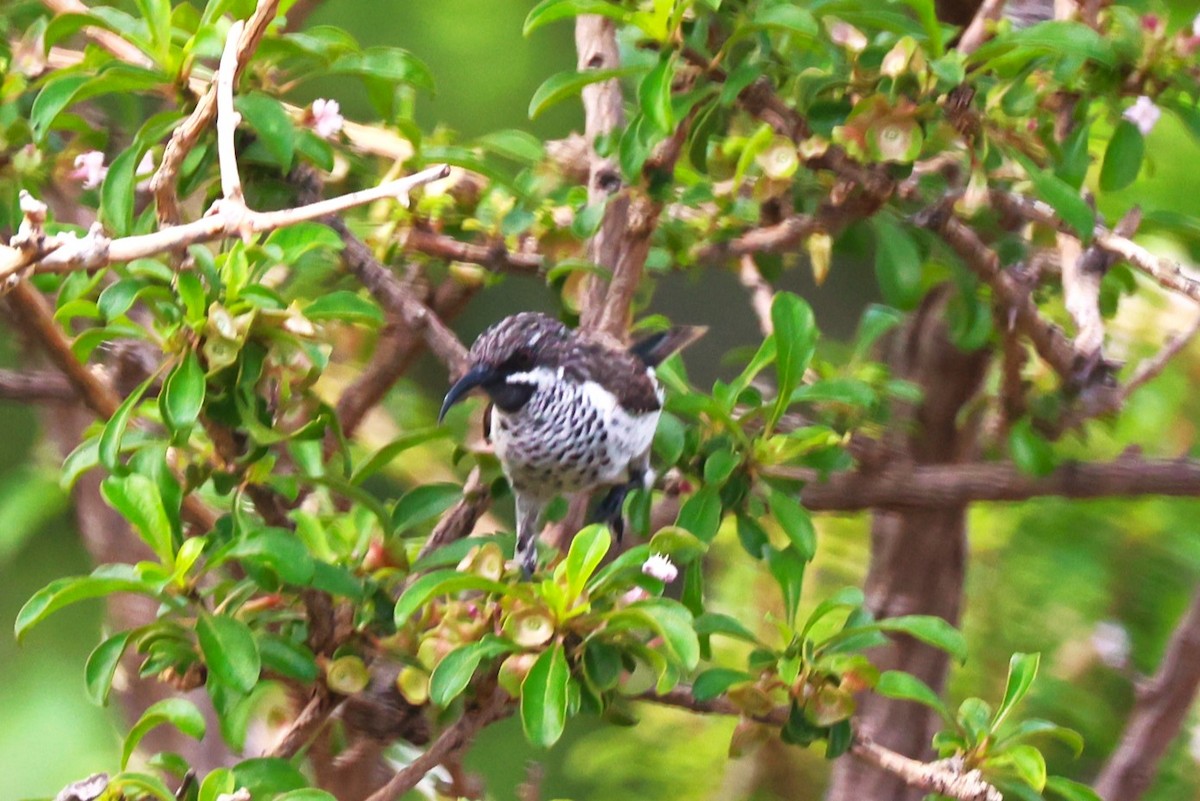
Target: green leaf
{"x":344,"y":306}
{"x":1030,"y":451}
{"x":787,"y":566}
{"x":183,"y":394}
{"x":787,"y":18}
{"x":217,"y":783}
{"x":1035,"y":727}
{"x":1071,"y":790}
{"x":390,"y":64}
{"x":514,"y":144}
{"x":424,"y":503}
{"x":440,"y":582}
{"x":137,"y":498}
{"x":926,"y":12}
{"x":1123,"y":157}
{"x":795,"y":522}
{"x":674,"y":623}
{"x":142,"y":784}
{"x":654,"y":95}
{"x":907,"y":687}
{"x":271,"y":122}
{"x":715,"y":681}
{"x":1024,"y":761}
{"x":1064,"y":198}
{"x":116,"y":193}
{"x":267,"y":776}
{"x":387,"y":453}
{"x":278,"y":550}
{"x":795,"y":343}
{"x":287,"y":658}
{"x":845,"y":598}
{"x":549,"y":11}
{"x":229,"y":651}
{"x":104,"y":580}
{"x":1022,"y":669}
{"x":306,"y":794}
{"x":114,"y":429}
{"x":719,"y":466}
{"x":563,"y":85}
{"x":681,"y":545}
{"x":544,"y":697}
{"x":584,"y":556}
{"x":56,"y":95}
{"x":701,"y":514}
{"x":928,"y":629}
{"x":179,"y":712}
{"x":716,"y":623}
{"x":454,"y":672}
{"x":898,"y":264}
{"x":102,"y":666}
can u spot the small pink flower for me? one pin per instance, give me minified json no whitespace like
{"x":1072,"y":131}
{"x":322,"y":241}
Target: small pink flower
{"x":1111,"y":643}
{"x":1151,"y":23}
{"x":1144,"y":114}
{"x":326,"y":117}
{"x":659,"y":566}
{"x":633,"y":595}
{"x":846,"y":35}
{"x":89,"y":168}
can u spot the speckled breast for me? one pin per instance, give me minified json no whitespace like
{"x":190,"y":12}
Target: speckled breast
{"x":569,"y":437}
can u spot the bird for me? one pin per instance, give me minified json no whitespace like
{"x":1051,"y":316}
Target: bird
{"x":569,"y":412}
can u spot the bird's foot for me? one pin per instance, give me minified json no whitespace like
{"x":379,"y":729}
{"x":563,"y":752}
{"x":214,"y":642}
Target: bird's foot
{"x":608,"y":511}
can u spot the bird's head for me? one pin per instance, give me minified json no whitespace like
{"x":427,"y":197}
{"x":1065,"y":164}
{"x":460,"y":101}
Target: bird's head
{"x":513,"y":347}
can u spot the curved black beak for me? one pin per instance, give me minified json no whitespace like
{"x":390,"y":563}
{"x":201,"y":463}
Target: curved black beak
{"x":473,"y":378}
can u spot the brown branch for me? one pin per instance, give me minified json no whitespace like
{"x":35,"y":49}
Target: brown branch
{"x":973,"y":36}
{"x":36,"y":387}
{"x":1048,"y":340}
{"x":457,"y":737}
{"x":228,"y":118}
{"x":400,"y":301}
{"x":304,"y":727}
{"x":779,"y":237}
{"x":184,"y":138}
{"x":1158,"y":714}
{"x":944,"y":777}
{"x":949,"y":485}
{"x":34,"y":316}
{"x":495,"y":257}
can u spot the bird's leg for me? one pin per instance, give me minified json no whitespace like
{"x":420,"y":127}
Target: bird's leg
{"x":529,"y":512}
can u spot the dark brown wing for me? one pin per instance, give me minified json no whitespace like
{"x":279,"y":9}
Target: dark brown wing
{"x":618,"y":371}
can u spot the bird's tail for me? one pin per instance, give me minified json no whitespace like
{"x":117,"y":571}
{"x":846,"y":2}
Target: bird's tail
{"x":657,"y":348}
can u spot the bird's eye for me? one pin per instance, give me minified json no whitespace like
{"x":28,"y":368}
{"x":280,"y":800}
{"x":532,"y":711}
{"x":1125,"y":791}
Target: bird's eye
{"x":521,"y":360}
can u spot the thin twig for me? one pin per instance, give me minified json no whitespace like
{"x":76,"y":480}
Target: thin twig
{"x":460,"y":520}
{"x":1170,"y":275}
{"x":228,"y":118}
{"x":184,"y":138}
{"x":945,"y":777}
{"x":761,"y":293}
{"x":69,"y":253}
{"x":495,"y":257}
{"x":456,"y":737}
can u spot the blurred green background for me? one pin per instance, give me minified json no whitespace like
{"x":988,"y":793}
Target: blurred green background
{"x":1095,"y":587}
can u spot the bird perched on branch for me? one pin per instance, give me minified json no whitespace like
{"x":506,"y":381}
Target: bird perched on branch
{"x":568,"y":413}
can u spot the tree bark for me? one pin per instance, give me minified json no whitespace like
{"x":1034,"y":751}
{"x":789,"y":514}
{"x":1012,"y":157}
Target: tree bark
{"x":1161,"y":708}
{"x":918,"y":556}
